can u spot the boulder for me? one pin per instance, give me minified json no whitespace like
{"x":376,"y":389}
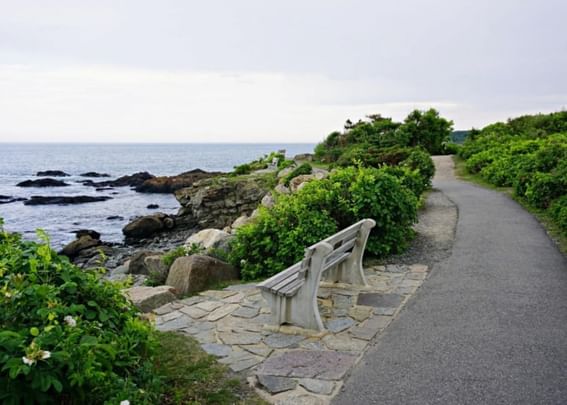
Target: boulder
{"x":147,"y":226}
{"x":133,"y":180}
{"x":284,"y":172}
{"x":304,"y":157}
{"x":64,"y":200}
{"x":52,"y":173}
{"x":152,"y":206}
{"x":94,"y":174}
{"x":280,"y":188}
{"x":115,"y":218}
{"x":190,"y":274}
{"x":42,"y":183}
{"x":73,"y":249}
{"x":240,"y":221}
{"x":82,"y":232}
{"x":137,"y":263}
{"x":297,"y":181}
{"x":169,"y":184}
{"x":210,"y":239}
{"x":268,"y":201}
{"x":147,"y":299}
{"x":156,"y":268}
{"x":5,"y":199}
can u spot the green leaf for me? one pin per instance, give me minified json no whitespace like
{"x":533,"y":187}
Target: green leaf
{"x":34,"y":331}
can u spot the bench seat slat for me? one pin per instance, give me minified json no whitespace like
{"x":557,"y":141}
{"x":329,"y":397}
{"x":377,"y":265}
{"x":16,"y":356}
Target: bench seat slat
{"x":346,"y":246}
{"x":344,"y":234}
{"x":290,"y":289}
{"x":272,"y":281}
{"x":283,"y":283}
{"x":333,"y":260}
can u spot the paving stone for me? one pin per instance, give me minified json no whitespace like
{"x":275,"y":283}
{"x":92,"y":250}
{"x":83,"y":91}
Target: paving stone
{"x":405,"y":290}
{"x":164,"y":309}
{"x":206,"y":337}
{"x":280,"y":340}
{"x":241,"y":287}
{"x":276,"y":385}
{"x":371,"y":327}
{"x":240,"y":338}
{"x":209,"y":305}
{"x":340,"y":324}
{"x":379,"y":268}
{"x":217,"y":349}
{"x":380,"y":300}
{"x":317,"y":386}
{"x":170,"y":316}
{"x":418,"y":268}
{"x":239,"y":361}
{"x":341,"y":301}
{"x":178,"y":323}
{"x":194,"y":312}
{"x":344,"y":291}
{"x":324,"y":365}
{"x":385,"y":311}
{"x":263,"y":319}
{"x":222,"y":312}
{"x":259,"y":349}
{"x":234,"y":299}
{"x":344,"y":343}
{"x":198,"y":327}
{"x":217,"y":294}
{"x":323,"y":293}
{"x":395,"y":268}
{"x":339,"y":313}
{"x":411,"y":283}
{"x":416,"y":276}
{"x":246,"y":312}
{"x":192,"y":300}
{"x":312,"y":345}
{"x":360,"y":312}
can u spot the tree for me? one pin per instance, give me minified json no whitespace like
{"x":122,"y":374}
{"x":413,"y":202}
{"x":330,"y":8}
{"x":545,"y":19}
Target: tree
{"x":426,"y":129}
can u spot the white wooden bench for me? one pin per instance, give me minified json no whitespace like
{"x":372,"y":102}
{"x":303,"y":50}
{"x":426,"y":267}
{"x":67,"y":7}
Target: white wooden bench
{"x":292,"y":293}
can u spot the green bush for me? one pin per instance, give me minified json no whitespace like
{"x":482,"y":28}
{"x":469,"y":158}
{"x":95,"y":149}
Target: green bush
{"x":558,"y":211}
{"x":258,"y":164}
{"x":543,"y":188}
{"x":65,"y":335}
{"x":277,"y":237}
{"x":420,"y":160}
{"x":304,"y":168}
{"x":180,"y":251}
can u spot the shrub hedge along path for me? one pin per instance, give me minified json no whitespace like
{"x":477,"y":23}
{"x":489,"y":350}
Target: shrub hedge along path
{"x":488,"y":325}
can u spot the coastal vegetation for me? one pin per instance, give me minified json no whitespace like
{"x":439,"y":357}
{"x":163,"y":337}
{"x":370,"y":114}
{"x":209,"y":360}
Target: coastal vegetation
{"x":527,"y":154}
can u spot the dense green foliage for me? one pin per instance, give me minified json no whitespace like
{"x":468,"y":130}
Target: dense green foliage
{"x":304,"y":168}
{"x":261,"y":163}
{"x":528,"y":153}
{"x":278,"y":236}
{"x":65,"y":336}
{"x":377,"y":140}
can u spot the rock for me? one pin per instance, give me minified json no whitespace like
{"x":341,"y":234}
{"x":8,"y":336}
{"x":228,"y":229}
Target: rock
{"x":217,"y":202}
{"x":73,"y":249}
{"x":133,"y":180}
{"x":156,"y":268}
{"x":275,"y":385}
{"x":190,"y":274}
{"x":284,"y":172}
{"x":64,"y":200}
{"x":280,"y":340}
{"x":211,"y":239}
{"x":104,"y":188}
{"x":115,"y":218}
{"x":138,"y":262}
{"x":4,"y":199}
{"x":170,"y":184}
{"x":42,"y":183}
{"x":317,"y":386}
{"x":94,"y":174}
{"x":148,"y":298}
{"x":268,"y":201}
{"x":152,"y":206}
{"x":216,"y":349}
{"x":88,"y":232}
{"x":52,"y":173}
{"x":297,"y":181}
{"x":280,"y":188}
{"x":339,"y":324}
{"x":147,"y":226}
{"x":304,"y":156}
{"x":240,"y":221}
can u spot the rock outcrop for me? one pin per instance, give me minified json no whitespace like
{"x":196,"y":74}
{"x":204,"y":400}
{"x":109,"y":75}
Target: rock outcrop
{"x":42,"y":183}
{"x":148,"y":226}
{"x":52,"y":173}
{"x":6,"y":199}
{"x":94,"y":174}
{"x":64,"y":200}
{"x":217,"y":202}
{"x":189,"y":274}
{"x":211,"y":239}
{"x":133,"y":180}
{"x":170,"y":184}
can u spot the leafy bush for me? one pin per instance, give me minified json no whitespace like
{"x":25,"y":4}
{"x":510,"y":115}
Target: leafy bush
{"x":65,"y":335}
{"x":545,"y":187}
{"x":277,"y":237}
{"x":180,"y":251}
{"x":304,"y":168}
{"x":558,"y":211}
{"x":258,"y":164}
{"x":420,"y":160}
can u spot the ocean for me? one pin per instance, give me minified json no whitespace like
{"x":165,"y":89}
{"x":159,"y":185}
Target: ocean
{"x":19,"y":162}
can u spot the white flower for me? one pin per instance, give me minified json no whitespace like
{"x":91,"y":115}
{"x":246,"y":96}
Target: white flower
{"x":125,"y":402}
{"x":28,"y":361}
{"x":44,"y":355}
{"x":70,"y":321}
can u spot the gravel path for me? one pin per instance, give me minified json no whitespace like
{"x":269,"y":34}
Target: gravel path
{"x":488,"y":326}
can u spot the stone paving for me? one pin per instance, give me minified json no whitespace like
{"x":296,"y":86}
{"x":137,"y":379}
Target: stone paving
{"x":287,"y":364}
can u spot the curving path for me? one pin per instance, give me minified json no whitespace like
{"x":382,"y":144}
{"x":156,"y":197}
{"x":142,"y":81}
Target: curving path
{"x":489,"y":326}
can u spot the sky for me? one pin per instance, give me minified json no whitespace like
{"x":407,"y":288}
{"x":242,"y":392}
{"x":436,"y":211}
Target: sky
{"x":270,"y":71}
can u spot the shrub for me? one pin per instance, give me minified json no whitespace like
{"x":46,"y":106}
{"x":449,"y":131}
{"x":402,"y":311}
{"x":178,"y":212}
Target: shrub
{"x":420,"y":160}
{"x":558,"y":211}
{"x":66,"y":336}
{"x":543,"y":188}
{"x":180,"y":251}
{"x":277,"y":237}
{"x":304,"y":168}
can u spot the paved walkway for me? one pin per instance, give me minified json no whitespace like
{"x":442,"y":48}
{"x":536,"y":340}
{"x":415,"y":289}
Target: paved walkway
{"x":489,"y":326}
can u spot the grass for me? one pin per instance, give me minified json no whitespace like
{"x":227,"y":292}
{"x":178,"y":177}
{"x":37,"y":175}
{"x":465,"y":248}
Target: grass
{"x":191,"y":376}
{"x":542,"y":216}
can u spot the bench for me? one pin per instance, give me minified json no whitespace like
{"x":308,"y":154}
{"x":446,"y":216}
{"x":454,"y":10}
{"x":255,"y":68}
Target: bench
{"x":292,"y":293}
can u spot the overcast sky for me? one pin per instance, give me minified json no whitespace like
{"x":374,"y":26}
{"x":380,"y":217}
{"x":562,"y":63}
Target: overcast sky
{"x":269,"y":71}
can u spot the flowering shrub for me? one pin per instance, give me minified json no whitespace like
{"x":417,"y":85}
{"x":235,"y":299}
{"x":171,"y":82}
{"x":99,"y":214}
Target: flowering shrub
{"x":66,"y":336}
